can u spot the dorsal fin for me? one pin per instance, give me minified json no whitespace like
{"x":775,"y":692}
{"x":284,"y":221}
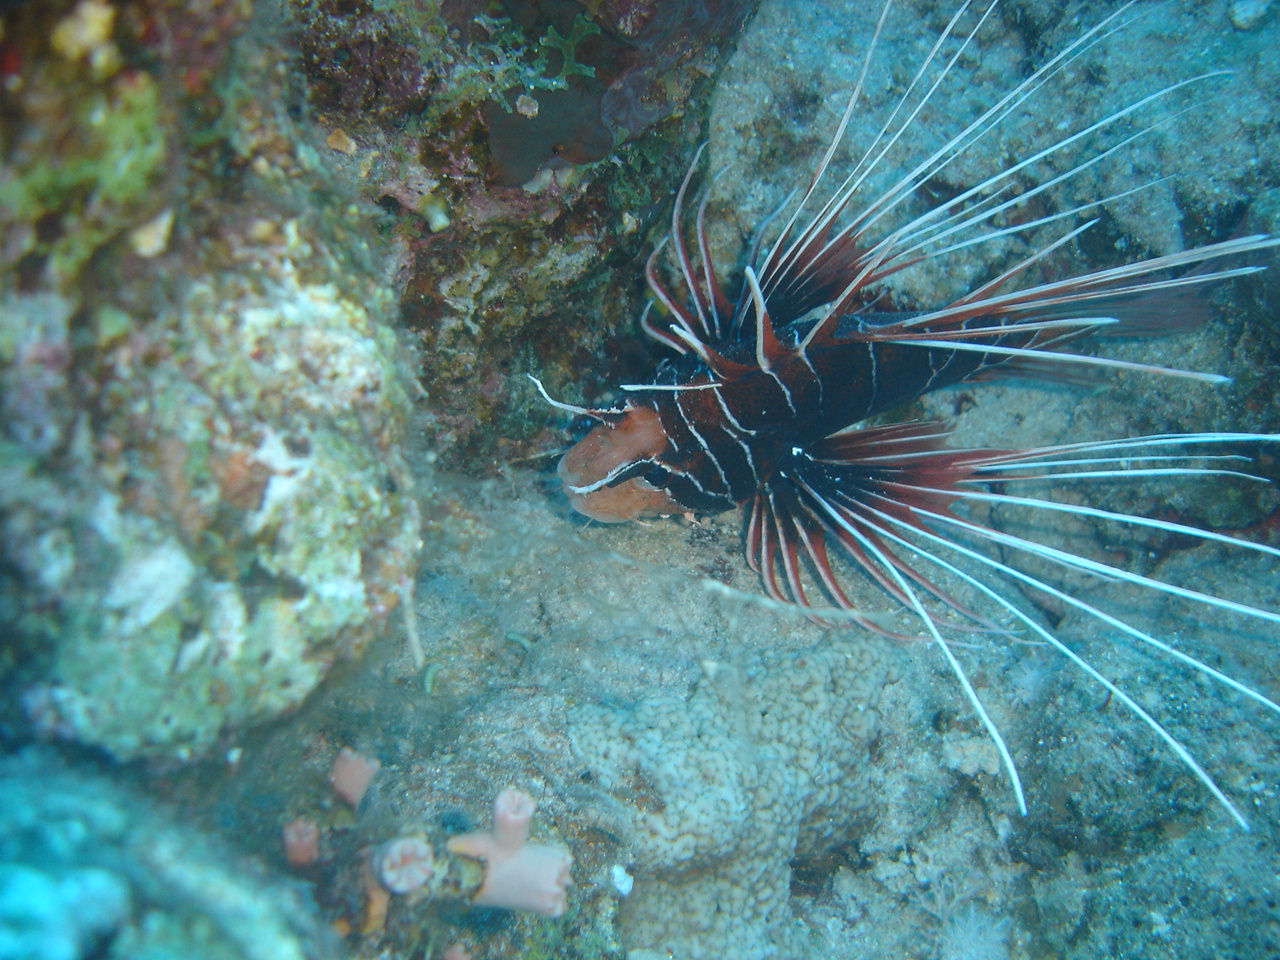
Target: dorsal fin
{"x":720,"y":365}
{"x":769,"y":349}
{"x":604,"y":416}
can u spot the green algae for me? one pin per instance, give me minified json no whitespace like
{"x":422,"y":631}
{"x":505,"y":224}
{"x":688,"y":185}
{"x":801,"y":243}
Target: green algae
{"x":502,"y":60}
{"x":94,"y":158}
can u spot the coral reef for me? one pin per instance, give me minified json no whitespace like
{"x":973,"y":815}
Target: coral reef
{"x":202,"y":476}
{"x":555,"y":82}
{"x":600,"y":659}
{"x":88,"y":869}
{"x":84,"y":127}
{"x":215,"y":470}
{"x":498,"y":867}
{"x":721,"y":792}
{"x":483,"y":136}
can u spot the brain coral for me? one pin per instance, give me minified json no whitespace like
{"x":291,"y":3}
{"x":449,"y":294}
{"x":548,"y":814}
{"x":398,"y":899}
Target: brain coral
{"x":724,"y":790}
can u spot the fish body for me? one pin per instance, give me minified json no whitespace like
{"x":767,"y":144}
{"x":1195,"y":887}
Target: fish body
{"x":713,"y":440}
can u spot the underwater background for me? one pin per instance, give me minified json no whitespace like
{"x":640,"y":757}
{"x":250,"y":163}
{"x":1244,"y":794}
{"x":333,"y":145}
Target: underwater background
{"x":287,"y":575}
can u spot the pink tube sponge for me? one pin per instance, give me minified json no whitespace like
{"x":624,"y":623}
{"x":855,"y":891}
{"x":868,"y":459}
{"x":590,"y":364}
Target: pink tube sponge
{"x":518,"y":875}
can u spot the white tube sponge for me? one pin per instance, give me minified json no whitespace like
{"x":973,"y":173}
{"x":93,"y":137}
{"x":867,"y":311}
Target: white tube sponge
{"x":518,"y":875}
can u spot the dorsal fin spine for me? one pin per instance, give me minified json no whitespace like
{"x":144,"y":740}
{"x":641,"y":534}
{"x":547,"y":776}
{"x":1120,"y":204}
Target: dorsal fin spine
{"x":769,"y":349}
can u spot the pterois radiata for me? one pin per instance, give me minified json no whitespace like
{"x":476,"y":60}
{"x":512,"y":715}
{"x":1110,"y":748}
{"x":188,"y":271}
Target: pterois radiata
{"x":767,"y":401}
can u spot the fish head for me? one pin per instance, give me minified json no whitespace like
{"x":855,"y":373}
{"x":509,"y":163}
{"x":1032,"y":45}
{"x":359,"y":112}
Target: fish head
{"x":604,"y":474}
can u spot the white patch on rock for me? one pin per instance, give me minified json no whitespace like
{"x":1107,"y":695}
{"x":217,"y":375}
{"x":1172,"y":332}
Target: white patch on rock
{"x":149,"y":584}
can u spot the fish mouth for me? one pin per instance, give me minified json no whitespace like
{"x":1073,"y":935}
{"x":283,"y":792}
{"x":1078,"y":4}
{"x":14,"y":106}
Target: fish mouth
{"x":632,"y":499}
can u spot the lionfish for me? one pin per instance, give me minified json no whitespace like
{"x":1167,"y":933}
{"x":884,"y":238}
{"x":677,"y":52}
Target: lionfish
{"x":765,"y":405}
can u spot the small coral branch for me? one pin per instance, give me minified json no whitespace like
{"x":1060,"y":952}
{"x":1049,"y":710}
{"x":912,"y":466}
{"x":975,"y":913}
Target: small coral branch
{"x":498,"y":868}
{"x":405,"y":864}
{"x":518,"y":875}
